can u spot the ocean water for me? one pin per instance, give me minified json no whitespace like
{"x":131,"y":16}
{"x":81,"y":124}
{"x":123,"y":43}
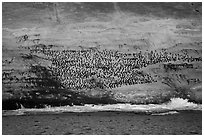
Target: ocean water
{"x":172,"y":107}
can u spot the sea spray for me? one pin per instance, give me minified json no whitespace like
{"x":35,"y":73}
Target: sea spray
{"x":174,"y":105}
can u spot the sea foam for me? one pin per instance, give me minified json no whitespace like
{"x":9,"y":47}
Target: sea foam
{"x":171,"y":107}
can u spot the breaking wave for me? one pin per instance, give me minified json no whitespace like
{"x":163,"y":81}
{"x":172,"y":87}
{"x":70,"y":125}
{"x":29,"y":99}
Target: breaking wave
{"x":171,"y":107}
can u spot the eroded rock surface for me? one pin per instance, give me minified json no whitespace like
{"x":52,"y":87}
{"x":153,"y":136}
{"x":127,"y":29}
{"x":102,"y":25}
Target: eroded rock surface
{"x":36,"y":37}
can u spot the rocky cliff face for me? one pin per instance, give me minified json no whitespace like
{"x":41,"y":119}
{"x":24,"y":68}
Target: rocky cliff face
{"x":32,"y":30}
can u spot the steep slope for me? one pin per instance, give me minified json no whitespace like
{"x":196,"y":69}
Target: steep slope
{"x":28,"y":76}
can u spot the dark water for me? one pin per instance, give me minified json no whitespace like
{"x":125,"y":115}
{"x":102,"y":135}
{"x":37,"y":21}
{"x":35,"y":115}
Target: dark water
{"x":104,"y":123}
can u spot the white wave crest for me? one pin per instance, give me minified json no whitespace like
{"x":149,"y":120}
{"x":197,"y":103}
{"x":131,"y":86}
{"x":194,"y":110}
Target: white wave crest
{"x":165,"y":113}
{"x":173,"y":105}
